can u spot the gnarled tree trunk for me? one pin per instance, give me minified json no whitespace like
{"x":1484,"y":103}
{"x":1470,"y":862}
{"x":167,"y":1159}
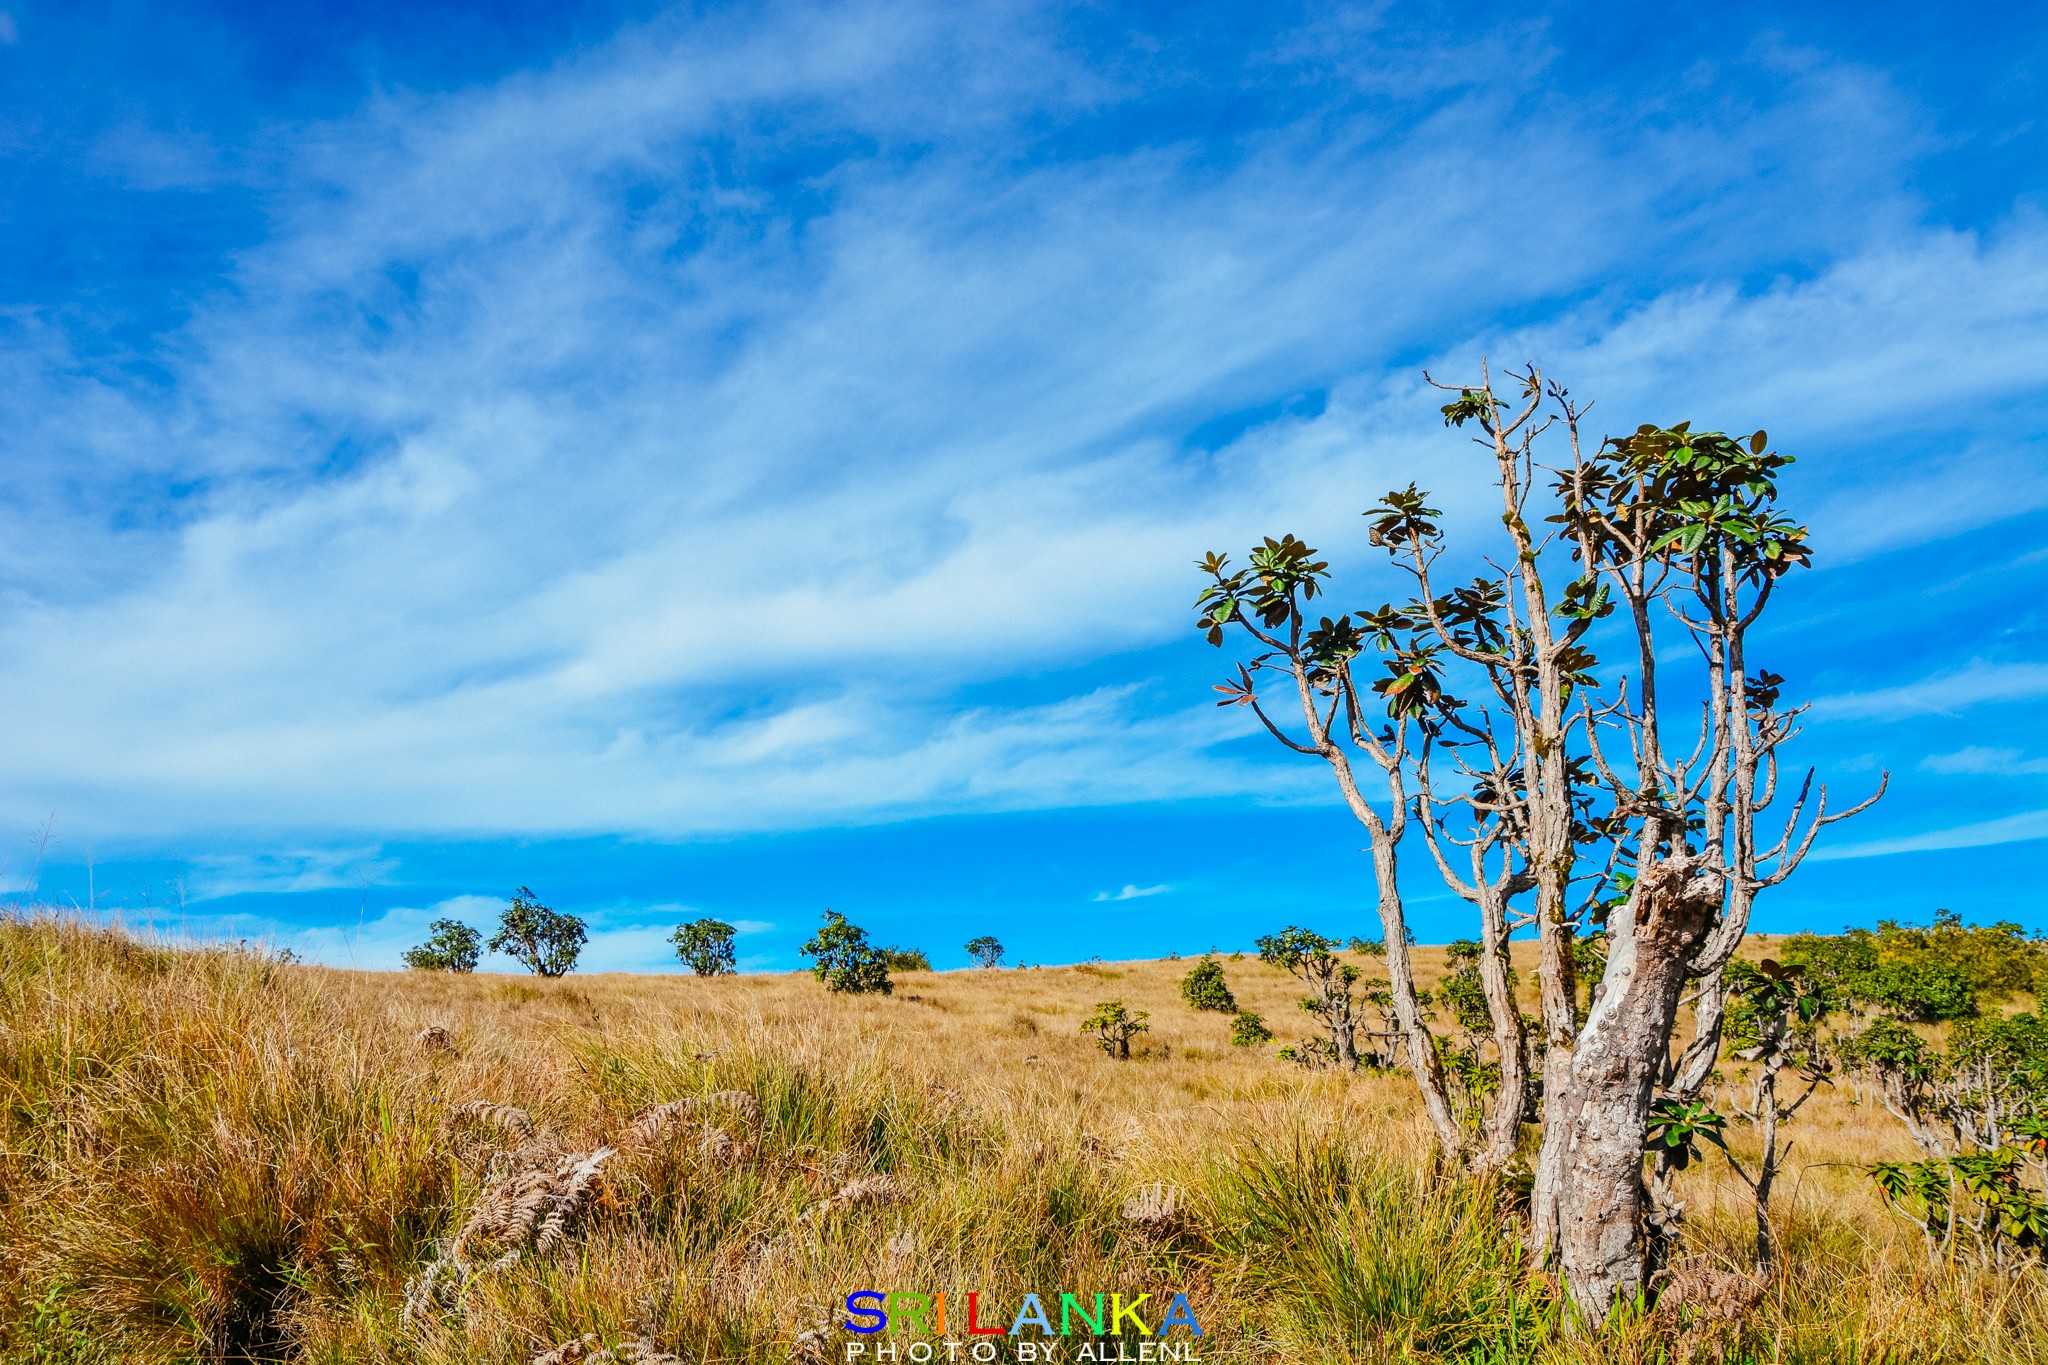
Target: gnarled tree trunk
{"x":1601,"y":1121}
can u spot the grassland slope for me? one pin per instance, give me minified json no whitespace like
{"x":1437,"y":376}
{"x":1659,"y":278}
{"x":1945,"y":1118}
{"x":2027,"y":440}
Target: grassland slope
{"x":209,"y":1155}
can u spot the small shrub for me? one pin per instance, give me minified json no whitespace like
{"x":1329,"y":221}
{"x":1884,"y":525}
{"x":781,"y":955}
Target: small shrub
{"x":986,"y":951}
{"x":452,"y":947}
{"x":1114,"y":1026}
{"x":545,"y":942}
{"x":1312,"y":1053}
{"x":1249,"y":1030}
{"x":907,"y":959}
{"x":845,"y":961}
{"x":1462,"y":991}
{"x":705,"y":946}
{"x":1205,"y":989}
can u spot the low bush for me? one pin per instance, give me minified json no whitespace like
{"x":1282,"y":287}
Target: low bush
{"x":1205,"y":989}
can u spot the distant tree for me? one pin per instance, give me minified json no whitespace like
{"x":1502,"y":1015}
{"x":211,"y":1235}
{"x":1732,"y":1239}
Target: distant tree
{"x":705,"y":946}
{"x":1114,"y":1026}
{"x":1972,"y":1092}
{"x":845,"y":961}
{"x":907,"y":959}
{"x":1249,"y":1030}
{"x":1924,"y":974}
{"x":1368,"y":947}
{"x":1205,"y":989}
{"x":452,"y":947}
{"x":986,"y":951}
{"x":545,"y":942}
{"x":1307,"y":955}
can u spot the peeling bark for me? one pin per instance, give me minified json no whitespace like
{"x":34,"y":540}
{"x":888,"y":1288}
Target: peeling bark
{"x":1602,"y":1120}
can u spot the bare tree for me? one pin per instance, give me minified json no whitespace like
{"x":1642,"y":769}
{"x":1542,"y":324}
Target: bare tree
{"x":1526,"y":813}
{"x":1268,"y":601}
{"x":1688,"y":522}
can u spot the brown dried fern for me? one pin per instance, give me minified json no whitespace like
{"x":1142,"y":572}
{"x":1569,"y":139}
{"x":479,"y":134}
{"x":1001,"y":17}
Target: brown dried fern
{"x":506,"y":1118}
{"x":1154,"y":1213}
{"x":653,"y":1127}
{"x":525,"y":1207}
{"x":871,"y":1190}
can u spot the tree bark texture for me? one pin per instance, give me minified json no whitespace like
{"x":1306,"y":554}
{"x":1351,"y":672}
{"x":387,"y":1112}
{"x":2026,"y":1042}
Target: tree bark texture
{"x":1599,"y":1124}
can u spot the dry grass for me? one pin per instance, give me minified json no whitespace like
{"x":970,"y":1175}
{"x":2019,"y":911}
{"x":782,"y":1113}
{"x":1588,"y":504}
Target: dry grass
{"x":205,"y":1155}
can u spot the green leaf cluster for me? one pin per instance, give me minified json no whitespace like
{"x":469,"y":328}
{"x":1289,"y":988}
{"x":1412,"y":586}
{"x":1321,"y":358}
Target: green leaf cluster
{"x":1696,"y":495}
{"x":1283,"y":573}
{"x":1294,"y":948}
{"x":1678,"y":1127}
{"x":2005,"y":1209}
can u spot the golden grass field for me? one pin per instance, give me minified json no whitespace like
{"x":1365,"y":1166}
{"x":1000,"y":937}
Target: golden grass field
{"x":209,"y":1155}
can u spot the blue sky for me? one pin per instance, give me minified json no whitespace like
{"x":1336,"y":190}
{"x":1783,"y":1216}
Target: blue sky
{"x":745,"y":459}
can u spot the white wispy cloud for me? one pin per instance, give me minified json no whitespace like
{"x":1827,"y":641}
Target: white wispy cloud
{"x":2006,"y":829}
{"x":1946,"y":693}
{"x":543,"y":476}
{"x":284,"y":872}
{"x":1979,"y":760}
{"x":1132,"y":891}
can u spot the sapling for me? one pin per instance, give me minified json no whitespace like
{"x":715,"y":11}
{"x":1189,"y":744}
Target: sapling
{"x":1114,"y":1026}
{"x":1306,"y":955}
{"x":1774,"y":1020}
